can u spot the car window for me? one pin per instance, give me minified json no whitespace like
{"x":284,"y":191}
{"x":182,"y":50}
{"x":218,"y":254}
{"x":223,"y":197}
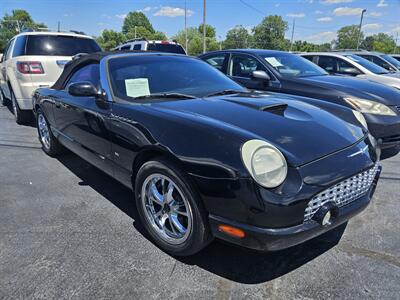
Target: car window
{"x":244,"y":66}
{"x":59,"y":45}
{"x":137,"y":47}
{"x":378,"y":61}
{"x":328,"y":63}
{"x":134,"y":76}
{"x":290,"y":65}
{"x":126,"y":47}
{"x":392,"y":60}
{"x":217,"y":61}
{"x":8,"y":54}
{"x":170,"y":48}
{"x":311,"y":58}
{"x":5,"y":51}
{"x":90,"y":73}
{"x":19,"y":47}
{"x":367,"y":64}
{"x":344,"y":67}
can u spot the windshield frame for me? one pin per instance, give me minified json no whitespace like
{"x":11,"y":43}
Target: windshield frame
{"x":263,"y":57}
{"x":106,"y":83}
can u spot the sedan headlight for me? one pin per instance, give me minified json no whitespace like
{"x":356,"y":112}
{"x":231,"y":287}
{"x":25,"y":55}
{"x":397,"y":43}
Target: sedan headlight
{"x":265,"y":163}
{"x":370,"y":107}
{"x":359,"y":116}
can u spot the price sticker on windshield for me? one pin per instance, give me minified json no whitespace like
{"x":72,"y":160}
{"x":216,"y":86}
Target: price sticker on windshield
{"x":137,"y":87}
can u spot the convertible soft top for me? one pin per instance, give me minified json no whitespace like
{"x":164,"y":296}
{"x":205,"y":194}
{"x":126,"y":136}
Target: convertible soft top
{"x":96,"y":57}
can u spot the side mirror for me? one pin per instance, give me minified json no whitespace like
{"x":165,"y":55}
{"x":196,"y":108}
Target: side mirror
{"x":83,"y":89}
{"x":349,"y":71}
{"x":261,"y":75}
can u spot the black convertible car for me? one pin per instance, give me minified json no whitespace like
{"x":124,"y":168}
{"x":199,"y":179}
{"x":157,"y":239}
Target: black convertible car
{"x":284,"y":72}
{"x":262,"y":171}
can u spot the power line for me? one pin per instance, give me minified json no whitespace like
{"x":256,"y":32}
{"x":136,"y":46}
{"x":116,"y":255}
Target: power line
{"x":252,"y":7}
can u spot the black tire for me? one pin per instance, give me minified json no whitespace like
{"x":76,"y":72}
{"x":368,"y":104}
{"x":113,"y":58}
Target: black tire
{"x":53,"y":146}
{"x":21,"y":116}
{"x":3,"y":99}
{"x":199,"y":235}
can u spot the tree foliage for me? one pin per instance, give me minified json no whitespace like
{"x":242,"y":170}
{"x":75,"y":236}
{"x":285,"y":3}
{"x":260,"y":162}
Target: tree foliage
{"x":12,"y":24}
{"x":138,"y":19}
{"x":347,"y":37}
{"x":110,"y":39}
{"x":270,"y":33}
{"x":195,"y":39}
{"x":381,"y":42}
{"x":238,"y":37}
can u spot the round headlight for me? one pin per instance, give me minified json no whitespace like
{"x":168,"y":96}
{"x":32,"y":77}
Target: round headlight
{"x":265,"y":163}
{"x":359,"y":116}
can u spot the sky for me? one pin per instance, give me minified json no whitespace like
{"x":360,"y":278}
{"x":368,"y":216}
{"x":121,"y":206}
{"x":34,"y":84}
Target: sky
{"x":315,"y":20}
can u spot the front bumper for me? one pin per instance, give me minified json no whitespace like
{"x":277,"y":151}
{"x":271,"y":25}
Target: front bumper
{"x":272,"y":239}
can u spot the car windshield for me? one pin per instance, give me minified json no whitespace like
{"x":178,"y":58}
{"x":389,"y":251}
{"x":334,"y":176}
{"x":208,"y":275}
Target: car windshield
{"x":137,"y":76}
{"x":292,"y":66}
{"x":164,"y":47}
{"x":367,"y":64}
{"x":392,"y":60}
{"x":59,"y":45}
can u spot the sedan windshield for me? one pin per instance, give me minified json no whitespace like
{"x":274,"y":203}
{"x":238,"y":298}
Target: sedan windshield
{"x":292,"y":66}
{"x":392,"y":60}
{"x":139,"y":76}
{"x":367,"y":64}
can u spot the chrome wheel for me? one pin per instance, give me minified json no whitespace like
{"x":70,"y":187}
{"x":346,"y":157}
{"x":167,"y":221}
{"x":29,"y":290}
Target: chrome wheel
{"x":43,"y":131}
{"x":166,"y":208}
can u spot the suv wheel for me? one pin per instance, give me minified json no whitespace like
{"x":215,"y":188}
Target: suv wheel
{"x":50,"y":144}
{"x":170,"y":209}
{"x":21,"y":116}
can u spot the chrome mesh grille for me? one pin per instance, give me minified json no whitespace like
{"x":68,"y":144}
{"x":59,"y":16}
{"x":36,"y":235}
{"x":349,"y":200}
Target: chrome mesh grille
{"x":342,"y":193}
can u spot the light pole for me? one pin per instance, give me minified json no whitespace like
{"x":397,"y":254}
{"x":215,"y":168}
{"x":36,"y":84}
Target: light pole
{"x":186,"y":38}
{"x":359,"y":29}
{"x":204,"y":26}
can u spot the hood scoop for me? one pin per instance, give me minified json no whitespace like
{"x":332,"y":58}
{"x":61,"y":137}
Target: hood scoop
{"x":275,"y":108}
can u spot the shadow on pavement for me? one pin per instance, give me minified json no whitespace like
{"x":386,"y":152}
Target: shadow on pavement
{"x":225,"y":260}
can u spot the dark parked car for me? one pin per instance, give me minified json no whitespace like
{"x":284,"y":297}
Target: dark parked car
{"x":289,"y":73}
{"x":262,"y":171}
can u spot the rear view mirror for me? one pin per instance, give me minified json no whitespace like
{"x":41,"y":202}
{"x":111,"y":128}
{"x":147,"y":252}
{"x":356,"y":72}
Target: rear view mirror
{"x":261,"y":75}
{"x":82,"y":89}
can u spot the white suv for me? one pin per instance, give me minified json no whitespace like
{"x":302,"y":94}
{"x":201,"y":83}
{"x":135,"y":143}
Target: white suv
{"x":145,"y":45}
{"x":36,"y":59}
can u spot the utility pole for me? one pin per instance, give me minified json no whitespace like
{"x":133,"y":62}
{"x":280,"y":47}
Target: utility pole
{"x":359,"y":28}
{"x":291,"y":40}
{"x":58,"y":26}
{"x":395,"y":43}
{"x":186,"y":39}
{"x":204,"y":26}
{"x":135,"y":32}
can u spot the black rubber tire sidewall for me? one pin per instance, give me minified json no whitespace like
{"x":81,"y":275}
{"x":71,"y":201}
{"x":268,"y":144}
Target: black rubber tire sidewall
{"x":22,"y":117}
{"x":200,"y":234}
{"x":55,"y":146}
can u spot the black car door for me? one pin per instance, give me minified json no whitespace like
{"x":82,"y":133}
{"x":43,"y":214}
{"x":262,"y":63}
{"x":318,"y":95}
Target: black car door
{"x":241,"y":68}
{"x":81,"y":121}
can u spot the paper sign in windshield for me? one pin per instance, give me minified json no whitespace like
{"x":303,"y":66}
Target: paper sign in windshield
{"x":273,"y":62}
{"x":137,"y":87}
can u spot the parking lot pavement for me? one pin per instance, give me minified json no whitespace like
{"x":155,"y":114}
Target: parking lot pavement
{"x":69,"y":231}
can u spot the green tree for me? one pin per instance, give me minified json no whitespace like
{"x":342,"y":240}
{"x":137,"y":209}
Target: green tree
{"x":270,"y":33}
{"x":381,"y":42}
{"x":195,"y":40}
{"x":347,"y":37}
{"x":210,"y":31}
{"x":12,"y":24}
{"x":138,"y":19}
{"x":110,"y":39}
{"x":237,"y":37}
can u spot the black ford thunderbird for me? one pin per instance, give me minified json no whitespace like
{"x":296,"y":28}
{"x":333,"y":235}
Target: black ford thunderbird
{"x":207,"y":158}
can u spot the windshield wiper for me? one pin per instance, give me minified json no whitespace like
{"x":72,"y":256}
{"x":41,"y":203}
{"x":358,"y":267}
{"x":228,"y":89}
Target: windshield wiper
{"x":226,"y":92}
{"x":165,"y":95}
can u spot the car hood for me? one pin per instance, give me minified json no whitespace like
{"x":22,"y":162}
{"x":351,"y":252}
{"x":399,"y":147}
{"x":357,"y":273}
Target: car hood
{"x":303,"y":132}
{"x":356,"y":87}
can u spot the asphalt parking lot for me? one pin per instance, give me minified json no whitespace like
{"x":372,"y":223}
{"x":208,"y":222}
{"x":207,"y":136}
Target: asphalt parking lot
{"x":69,"y":231}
